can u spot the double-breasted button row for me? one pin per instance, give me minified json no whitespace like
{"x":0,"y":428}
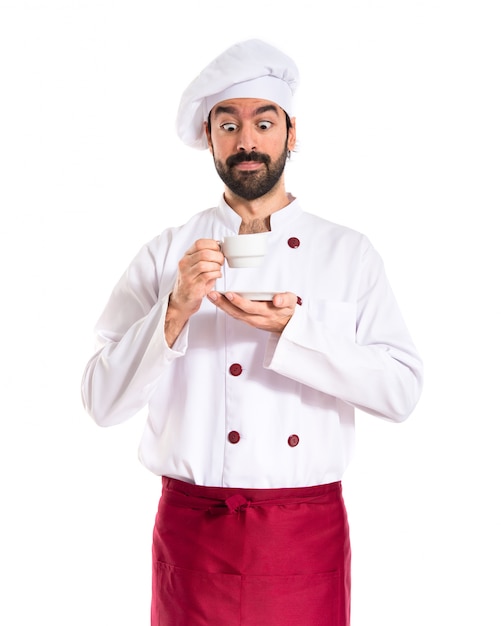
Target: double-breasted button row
{"x":294,"y":242}
{"x":234,"y":437}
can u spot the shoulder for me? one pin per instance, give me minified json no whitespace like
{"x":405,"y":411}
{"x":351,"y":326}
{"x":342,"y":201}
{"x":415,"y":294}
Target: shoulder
{"x":328,"y":232}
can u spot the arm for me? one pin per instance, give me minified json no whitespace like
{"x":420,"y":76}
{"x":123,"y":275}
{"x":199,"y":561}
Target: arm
{"x":360,"y":352}
{"x":140,"y":334}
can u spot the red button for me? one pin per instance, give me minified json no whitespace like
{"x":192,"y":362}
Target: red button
{"x":233,"y":437}
{"x":294,"y":242}
{"x":299,"y":301}
{"x":235,"y":369}
{"x":293,"y":441}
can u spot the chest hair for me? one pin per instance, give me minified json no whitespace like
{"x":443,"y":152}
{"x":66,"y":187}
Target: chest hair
{"x":258,"y":225}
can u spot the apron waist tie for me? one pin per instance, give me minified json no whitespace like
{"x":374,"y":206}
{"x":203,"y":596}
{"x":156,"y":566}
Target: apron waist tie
{"x":233,"y":504}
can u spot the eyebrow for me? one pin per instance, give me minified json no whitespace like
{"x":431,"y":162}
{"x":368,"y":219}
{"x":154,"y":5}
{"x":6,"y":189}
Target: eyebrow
{"x":220,"y":109}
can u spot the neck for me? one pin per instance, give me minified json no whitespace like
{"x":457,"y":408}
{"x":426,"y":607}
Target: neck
{"x":256,"y":213}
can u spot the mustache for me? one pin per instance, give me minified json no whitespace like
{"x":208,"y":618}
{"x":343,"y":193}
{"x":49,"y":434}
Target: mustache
{"x":241,"y":157}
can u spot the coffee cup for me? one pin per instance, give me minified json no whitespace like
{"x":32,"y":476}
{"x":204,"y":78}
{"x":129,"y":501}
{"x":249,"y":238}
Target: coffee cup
{"x":245,"y":250}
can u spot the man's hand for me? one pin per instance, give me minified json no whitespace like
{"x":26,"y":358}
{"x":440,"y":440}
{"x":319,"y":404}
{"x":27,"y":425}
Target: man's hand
{"x":198,"y":271}
{"x":271,"y":316}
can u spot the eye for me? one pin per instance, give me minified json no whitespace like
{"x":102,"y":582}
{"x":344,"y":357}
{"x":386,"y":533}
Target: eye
{"x":229,"y":126}
{"x":264,"y":125}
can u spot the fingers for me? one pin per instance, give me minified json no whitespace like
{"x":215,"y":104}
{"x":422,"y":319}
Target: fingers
{"x":280,"y":300}
{"x":284,"y":300}
{"x":198,"y":271}
{"x":204,"y":258}
{"x":204,"y":255}
{"x":204,"y":244}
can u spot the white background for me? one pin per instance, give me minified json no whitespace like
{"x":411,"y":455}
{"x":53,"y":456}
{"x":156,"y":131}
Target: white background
{"x":399,"y":137}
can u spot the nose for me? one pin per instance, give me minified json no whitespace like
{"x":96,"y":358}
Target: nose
{"x":246,"y":139}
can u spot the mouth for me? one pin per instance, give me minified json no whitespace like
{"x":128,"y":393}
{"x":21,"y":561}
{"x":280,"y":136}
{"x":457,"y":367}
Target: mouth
{"x":248,"y":166}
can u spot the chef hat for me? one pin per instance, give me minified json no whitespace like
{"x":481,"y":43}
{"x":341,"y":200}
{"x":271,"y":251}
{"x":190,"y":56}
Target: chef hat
{"x":250,"y":69}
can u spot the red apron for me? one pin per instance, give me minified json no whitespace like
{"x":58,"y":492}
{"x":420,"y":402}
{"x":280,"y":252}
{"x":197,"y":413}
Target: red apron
{"x":251,"y":557}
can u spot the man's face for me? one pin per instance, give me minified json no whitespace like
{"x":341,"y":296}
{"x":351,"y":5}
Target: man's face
{"x":249,"y":142}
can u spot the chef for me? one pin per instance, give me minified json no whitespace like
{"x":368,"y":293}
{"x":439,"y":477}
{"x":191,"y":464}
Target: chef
{"x":251,"y":403}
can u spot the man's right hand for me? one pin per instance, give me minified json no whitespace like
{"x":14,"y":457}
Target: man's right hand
{"x":198,"y":271}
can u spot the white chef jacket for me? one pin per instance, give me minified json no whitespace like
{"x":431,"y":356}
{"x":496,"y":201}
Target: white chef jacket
{"x":230,"y":405}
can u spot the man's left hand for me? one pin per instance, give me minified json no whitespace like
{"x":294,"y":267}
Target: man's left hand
{"x":272,"y":316}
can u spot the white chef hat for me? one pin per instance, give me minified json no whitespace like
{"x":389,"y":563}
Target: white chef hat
{"x":250,"y":69}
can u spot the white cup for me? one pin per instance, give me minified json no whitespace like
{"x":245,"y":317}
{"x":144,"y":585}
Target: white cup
{"x":245,"y":250}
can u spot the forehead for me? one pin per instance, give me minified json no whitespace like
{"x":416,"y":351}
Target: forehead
{"x":246,"y":107}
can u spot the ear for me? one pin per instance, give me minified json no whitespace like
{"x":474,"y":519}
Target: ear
{"x":207,"y":134}
{"x":291,"y":139}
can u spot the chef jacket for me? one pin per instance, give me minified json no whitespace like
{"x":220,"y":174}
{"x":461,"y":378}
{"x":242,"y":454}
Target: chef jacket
{"x":230,"y":405}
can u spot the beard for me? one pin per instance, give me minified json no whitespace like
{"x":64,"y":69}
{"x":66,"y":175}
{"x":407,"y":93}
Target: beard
{"x":250,"y":185}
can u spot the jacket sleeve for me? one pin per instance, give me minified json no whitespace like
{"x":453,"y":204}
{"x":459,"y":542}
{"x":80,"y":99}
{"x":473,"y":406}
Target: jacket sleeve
{"x":132,"y":353}
{"x":359,"y":351}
